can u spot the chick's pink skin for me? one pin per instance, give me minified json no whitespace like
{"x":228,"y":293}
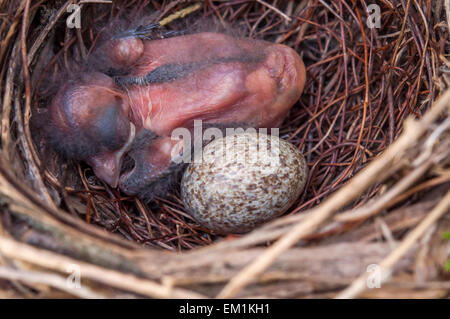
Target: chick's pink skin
{"x":234,"y":81}
{"x":258,"y":86}
{"x":255,"y":82}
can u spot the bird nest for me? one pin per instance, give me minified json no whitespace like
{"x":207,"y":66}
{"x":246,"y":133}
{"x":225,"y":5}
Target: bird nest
{"x":373,"y":123}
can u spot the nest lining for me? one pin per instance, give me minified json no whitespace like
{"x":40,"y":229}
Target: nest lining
{"x":362,"y":85}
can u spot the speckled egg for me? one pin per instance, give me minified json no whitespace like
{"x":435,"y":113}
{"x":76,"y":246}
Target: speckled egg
{"x":243,"y":180}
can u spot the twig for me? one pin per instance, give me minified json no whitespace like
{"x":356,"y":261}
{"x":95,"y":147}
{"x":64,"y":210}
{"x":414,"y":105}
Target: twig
{"x":180,"y":14}
{"x":381,"y":203}
{"x":108,"y":277}
{"x":24,"y":122}
{"x":49,"y":279}
{"x":275,"y":10}
{"x":447,"y":12}
{"x":385,"y":267}
{"x":358,"y":184}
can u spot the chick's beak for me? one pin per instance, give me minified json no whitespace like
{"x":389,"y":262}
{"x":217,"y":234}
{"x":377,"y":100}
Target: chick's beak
{"x":107,"y":165}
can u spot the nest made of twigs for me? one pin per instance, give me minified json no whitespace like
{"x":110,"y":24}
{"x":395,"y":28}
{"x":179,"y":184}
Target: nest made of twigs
{"x":373,"y":123}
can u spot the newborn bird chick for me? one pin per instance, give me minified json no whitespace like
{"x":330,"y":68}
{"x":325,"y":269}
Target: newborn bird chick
{"x":155,"y":86}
